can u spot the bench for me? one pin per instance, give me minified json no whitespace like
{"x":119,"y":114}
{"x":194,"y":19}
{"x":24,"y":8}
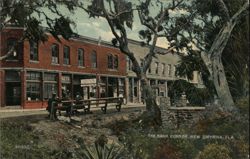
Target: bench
{"x":103,"y":103}
{"x":71,"y":106}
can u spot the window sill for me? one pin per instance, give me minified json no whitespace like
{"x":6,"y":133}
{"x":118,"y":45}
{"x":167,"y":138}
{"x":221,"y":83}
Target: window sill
{"x":11,"y":60}
{"x":33,"y":61}
{"x":114,"y":70}
{"x":55,"y":64}
{"x":32,"y":101}
{"x":66,"y":65}
{"x":81,"y":67}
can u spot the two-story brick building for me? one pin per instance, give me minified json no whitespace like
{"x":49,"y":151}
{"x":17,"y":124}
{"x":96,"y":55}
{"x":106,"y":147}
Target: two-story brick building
{"x":79,"y":65}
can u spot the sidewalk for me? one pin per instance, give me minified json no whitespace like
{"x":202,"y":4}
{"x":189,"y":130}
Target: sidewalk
{"x":8,"y":112}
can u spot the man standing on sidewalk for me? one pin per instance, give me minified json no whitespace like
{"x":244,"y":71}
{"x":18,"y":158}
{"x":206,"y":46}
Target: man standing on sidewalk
{"x":51,"y":107}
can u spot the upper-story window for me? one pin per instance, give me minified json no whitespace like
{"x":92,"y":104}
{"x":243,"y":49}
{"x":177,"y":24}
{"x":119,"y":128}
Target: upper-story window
{"x":129,"y":64}
{"x":94,"y":59}
{"x":55,"y":54}
{"x":169,"y":69}
{"x":174,"y":71}
{"x":34,"y":50}
{"x":66,"y":55}
{"x":12,"y":44}
{"x":141,"y":63}
{"x":80,"y":53}
{"x":112,"y":61}
{"x":149,"y":69}
{"x":116,"y":62}
{"x":156,"y":68}
{"x":163,"y":68}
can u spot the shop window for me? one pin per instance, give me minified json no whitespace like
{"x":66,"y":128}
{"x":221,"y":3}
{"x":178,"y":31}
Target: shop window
{"x":33,"y":50}
{"x":12,"y":76}
{"x":33,"y":91}
{"x":50,"y":77}
{"x":50,"y":85}
{"x":33,"y":76}
{"x":94,"y":59}
{"x":33,"y":86}
{"x":55,"y":53}
{"x":135,"y":92}
{"x":66,"y":55}
{"x":80,"y":57}
{"x":66,"y":86}
{"x":49,"y":88}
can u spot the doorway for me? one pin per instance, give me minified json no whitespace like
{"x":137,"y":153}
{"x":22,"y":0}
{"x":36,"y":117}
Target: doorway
{"x":13,"y":93}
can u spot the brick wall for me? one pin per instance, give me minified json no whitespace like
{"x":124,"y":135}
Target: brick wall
{"x":102,"y":52}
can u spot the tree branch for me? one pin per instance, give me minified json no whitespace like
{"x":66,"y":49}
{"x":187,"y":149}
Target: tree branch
{"x":225,"y":33}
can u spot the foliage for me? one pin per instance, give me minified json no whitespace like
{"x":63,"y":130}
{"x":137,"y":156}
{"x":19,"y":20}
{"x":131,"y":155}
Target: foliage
{"x":235,"y":59}
{"x":102,"y":152}
{"x":166,"y":151}
{"x":139,"y":145}
{"x":243,"y":105}
{"x":18,"y":141}
{"x":215,"y":151}
{"x":30,"y":13}
{"x":211,"y":17}
{"x":195,"y":96}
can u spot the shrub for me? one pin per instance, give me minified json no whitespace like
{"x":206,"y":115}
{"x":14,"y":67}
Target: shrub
{"x":166,"y":151}
{"x":243,"y":104}
{"x":214,"y":151}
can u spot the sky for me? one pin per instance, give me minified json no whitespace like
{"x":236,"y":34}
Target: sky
{"x":98,"y":27}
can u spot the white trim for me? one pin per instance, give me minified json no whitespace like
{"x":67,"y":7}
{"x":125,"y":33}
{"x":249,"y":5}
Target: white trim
{"x":57,"y":71}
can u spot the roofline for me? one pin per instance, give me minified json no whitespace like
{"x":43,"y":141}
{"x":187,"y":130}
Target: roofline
{"x":93,"y":40}
{"x":139,"y":43}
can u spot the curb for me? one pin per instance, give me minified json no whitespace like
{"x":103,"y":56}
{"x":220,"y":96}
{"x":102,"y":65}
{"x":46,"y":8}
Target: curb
{"x":9,"y":110}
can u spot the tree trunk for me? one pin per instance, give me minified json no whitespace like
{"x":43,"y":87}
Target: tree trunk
{"x":213,"y":59}
{"x":153,"y":111}
{"x":221,"y":84}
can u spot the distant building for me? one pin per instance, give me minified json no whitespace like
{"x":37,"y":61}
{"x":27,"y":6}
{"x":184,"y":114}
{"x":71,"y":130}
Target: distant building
{"x":160,"y":73}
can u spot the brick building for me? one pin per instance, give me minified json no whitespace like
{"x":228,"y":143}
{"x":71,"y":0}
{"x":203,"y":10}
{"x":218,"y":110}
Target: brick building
{"x":78,"y":65}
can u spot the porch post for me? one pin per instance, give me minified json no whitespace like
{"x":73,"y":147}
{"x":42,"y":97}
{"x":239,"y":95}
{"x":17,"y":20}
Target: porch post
{"x":23,"y":87}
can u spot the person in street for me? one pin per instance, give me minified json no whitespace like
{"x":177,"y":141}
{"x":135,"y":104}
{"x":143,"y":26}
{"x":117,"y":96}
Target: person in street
{"x":51,"y":106}
{"x":78,"y":97}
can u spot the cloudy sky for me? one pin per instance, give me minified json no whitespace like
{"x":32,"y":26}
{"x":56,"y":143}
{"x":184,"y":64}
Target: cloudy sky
{"x":98,"y":27}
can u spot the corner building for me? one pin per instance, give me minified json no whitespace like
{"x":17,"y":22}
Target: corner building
{"x":80,"y":65}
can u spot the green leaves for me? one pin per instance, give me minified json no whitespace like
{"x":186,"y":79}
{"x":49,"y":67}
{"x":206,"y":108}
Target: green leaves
{"x":105,"y":152}
{"x":124,"y":11}
{"x":62,"y":27}
{"x":34,"y":31}
{"x":145,"y":35}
